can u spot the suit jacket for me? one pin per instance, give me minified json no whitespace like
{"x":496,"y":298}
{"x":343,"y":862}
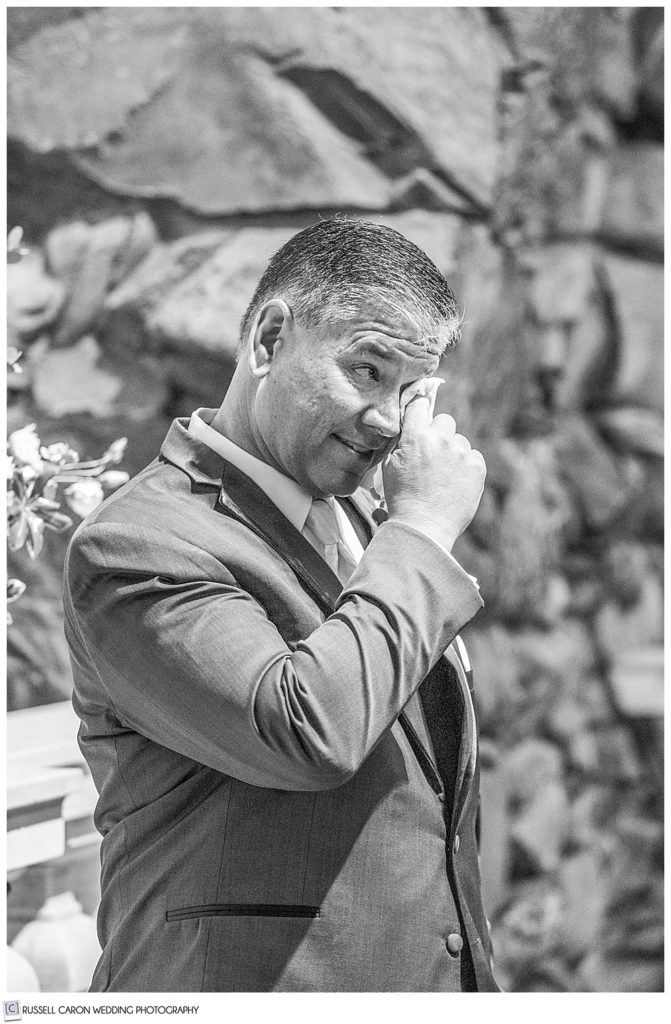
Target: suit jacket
{"x":283,"y":806}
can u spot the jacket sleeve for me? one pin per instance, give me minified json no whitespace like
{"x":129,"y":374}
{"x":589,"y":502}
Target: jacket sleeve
{"x":189,"y":659}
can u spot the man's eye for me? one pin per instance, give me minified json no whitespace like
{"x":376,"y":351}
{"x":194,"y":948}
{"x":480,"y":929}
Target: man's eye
{"x":367,"y":372}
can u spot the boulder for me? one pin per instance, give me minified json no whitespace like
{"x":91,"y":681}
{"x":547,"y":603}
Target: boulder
{"x":566,"y":717}
{"x":604,"y":973}
{"x":636,"y":290}
{"x":548,"y":662}
{"x":562,"y":282}
{"x":534,"y":514}
{"x":494,"y":352}
{"x":592,"y":812}
{"x":648,"y":33}
{"x":80,"y":379}
{"x":591,"y":49}
{"x":625,"y":566}
{"x":495,"y":841}
{"x":633,"y":214}
{"x":614,"y":75}
{"x":90,"y":260}
{"x":127,"y":308}
{"x":643,"y":516}
{"x":637,"y":682}
{"x":202,"y":312}
{"x":34,"y":298}
{"x":23,"y":22}
{"x":530,"y":929}
{"x":607,"y":753}
{"x":541,"y":827}
{"x":423,"y":189}
{"x":593,"y":476}
{"x":317,"y":107}
{"x":582,"y":881}
{"x":619,"y":629}
{"x":195,"y":382}
{"x":72,"y":85}
{"x":553,"y":665}
{"x":587,"y":368}
{"x":632,"y":429}
{"x":529,"y":767}
{"x":495,"y":675}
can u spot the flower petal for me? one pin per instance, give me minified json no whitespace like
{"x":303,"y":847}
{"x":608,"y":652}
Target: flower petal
{"x":83,"y":496}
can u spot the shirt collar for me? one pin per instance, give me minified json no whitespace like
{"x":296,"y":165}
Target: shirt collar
{"x":289,"y":497}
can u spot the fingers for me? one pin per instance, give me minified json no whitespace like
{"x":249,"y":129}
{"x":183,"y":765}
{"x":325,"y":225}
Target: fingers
{"x":479,"y":458}
{"x":418,"y":418}
{"x":446,"y":424}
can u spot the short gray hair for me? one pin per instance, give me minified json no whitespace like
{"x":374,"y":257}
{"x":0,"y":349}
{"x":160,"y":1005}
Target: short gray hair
{"x":331,"y":271}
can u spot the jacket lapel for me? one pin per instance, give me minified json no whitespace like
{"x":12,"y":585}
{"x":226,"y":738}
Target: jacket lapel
{"x":241,"y":498}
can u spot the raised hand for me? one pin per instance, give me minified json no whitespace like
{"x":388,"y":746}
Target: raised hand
{"x":433,"y":479}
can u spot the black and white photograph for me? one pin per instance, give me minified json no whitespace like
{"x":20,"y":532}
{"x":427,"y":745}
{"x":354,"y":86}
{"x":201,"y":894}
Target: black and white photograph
{"x":335,"y":516}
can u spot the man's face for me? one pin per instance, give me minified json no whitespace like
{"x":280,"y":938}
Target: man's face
{"x":328,"y":409}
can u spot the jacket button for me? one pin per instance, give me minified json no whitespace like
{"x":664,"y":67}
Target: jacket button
{"x":454,"y":943}
{"x":455,"y":844}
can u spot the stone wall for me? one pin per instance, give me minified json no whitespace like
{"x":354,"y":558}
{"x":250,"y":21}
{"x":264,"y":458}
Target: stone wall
{"x":158,"y":156}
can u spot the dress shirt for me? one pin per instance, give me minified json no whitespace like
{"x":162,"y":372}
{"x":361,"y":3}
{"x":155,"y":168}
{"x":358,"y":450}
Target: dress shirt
{"x":291,"y":499}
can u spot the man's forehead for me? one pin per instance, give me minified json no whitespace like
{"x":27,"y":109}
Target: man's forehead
{"x":385,"y":338}
{"x":389,"y":346}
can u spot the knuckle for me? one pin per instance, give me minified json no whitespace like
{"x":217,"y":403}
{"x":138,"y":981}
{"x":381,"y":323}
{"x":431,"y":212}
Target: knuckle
{"x":461,"y":443}
{"x":445,"y":422}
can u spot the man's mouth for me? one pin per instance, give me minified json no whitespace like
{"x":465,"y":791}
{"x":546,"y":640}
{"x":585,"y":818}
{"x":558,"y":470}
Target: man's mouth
{"x":359,"y":449}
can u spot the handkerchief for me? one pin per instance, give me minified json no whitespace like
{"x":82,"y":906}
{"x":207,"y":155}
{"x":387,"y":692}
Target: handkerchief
{"x":428,"y":387}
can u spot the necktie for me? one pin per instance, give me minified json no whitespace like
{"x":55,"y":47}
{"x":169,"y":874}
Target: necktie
{"x":321,"y":525}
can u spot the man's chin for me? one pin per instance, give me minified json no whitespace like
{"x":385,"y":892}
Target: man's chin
{"x":341,"y":486}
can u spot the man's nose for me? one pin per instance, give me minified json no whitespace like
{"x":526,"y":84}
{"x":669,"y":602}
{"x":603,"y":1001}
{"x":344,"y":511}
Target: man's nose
{"x":384,"y":416}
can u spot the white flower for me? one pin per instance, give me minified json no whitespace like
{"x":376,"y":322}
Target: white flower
{"x":83,"y":496}
{"x":24,"y":446}
{"x":59,"y":453}
{"x":113,"y":478}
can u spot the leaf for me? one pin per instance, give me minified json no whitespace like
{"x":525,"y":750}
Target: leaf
{"x":17,"y":532}
{"x":116,"y":450}
{"x":57,"y":521}
{"x":50,"y":489}
{"x":44,"y":503}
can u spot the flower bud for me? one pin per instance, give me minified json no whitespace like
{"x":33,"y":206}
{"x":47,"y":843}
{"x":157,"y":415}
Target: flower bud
{"x":83,"y":496}
{"x":113,"y":478}
{"x":24,"y":447}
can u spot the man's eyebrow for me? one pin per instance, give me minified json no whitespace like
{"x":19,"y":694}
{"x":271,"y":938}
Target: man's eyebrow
{"x":372,"y":347}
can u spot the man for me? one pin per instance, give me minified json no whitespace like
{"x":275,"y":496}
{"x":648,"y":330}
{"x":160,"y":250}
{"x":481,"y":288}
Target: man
{"x":286,"y":761}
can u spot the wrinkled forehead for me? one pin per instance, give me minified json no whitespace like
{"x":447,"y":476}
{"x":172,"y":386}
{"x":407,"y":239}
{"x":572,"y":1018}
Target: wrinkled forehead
{"x":402,"y":327}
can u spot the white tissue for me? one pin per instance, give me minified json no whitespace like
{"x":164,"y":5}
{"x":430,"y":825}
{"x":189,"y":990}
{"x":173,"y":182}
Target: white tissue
{"x":427,"y":387}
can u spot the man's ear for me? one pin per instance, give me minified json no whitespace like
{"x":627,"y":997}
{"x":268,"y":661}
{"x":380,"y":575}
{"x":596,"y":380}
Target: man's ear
{"x":265,"y":336}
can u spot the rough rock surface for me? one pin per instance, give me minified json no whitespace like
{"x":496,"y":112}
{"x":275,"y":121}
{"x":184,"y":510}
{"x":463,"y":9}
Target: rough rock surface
{"x":325,"y":107}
